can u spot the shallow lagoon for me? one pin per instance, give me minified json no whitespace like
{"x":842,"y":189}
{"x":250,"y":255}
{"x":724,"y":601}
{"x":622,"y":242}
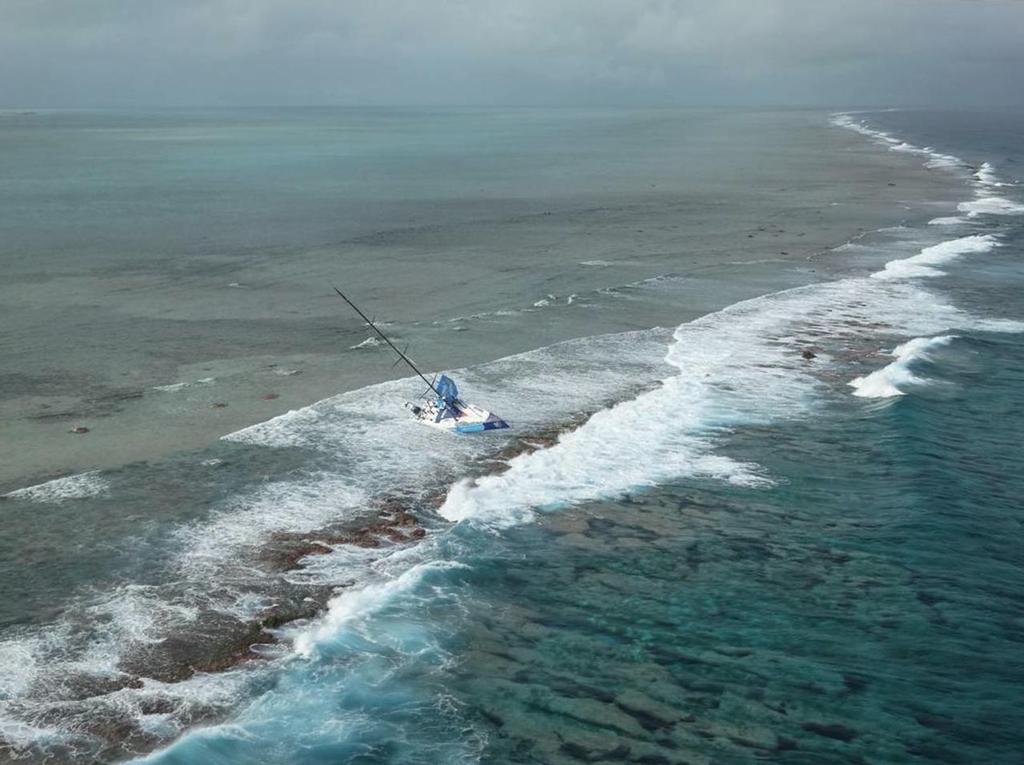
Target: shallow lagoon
{"x":780,"y":570}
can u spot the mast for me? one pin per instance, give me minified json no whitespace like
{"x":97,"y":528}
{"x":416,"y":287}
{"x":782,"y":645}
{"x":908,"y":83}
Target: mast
{"x":386,"y":340}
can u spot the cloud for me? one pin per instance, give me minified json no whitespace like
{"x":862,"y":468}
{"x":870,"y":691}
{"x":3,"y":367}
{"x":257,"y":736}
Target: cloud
{"x":84,"y":52}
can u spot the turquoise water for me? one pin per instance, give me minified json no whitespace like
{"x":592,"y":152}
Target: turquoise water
{"x":736,"y":551}
{"x":197,"y":249}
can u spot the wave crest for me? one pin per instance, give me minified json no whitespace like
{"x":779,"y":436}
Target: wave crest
{"x":923,"y":263}
{"x":890,"y":380}
{"x":80,"y":486}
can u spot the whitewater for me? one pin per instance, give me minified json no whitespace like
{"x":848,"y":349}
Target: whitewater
{"x":668,"y":413}
{"x":737,"y":368}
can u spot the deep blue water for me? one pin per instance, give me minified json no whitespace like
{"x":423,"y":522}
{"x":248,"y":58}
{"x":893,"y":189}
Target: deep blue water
{"x":770,"y":555}
{"x":862,"y":602}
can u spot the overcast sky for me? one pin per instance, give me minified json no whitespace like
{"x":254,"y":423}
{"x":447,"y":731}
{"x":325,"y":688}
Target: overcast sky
{"x":764,"y":52}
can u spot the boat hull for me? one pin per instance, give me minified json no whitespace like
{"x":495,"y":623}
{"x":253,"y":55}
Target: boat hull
{"x":469,"y":418}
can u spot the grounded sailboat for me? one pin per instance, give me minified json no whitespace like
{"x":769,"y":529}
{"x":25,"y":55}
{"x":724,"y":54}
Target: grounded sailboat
{"x":444,"y":409}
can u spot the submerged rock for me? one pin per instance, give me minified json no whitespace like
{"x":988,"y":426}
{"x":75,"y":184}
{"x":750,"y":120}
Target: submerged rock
{"x":649,"y":713}
{"x":854,"y":683}
{"x":216,"y":642}
{"x":831,"y":730}
{"x":77,"y":687}
{"x":596,"y":713}
{"x":590,"y":746}
{"x":219,"y":643}
{"x":392,"y":525}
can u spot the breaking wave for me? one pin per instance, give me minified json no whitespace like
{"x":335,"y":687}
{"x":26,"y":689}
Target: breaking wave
{"x":935,"y":159}
{"x":80,"y":486}
{"x":891,"y":379}
{"x":680,"y":395}
{"x":987,"y":205}
{"x":738,"y":367}
{"x":923,"y":264}
{"x":986,"y":176}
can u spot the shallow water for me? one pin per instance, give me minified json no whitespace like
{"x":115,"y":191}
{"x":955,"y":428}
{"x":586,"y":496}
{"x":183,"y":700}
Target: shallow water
{"x":159,"y":264}
{"x":782,"y":528}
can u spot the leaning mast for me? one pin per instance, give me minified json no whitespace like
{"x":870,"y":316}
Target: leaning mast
{"x":386,"y":340}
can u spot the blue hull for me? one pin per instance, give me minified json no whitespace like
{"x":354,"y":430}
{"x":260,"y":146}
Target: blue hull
{"x":477,"y":427}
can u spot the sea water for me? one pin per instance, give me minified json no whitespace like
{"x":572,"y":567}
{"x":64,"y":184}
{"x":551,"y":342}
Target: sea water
{"x":761,"y":500}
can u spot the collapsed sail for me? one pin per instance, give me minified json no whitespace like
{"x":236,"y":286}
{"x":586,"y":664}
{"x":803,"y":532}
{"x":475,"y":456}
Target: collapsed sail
{"x":446,"y":390}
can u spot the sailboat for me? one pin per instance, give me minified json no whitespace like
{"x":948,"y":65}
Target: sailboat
{"x":440,"y":405}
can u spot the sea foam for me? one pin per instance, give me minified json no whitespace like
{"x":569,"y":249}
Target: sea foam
{"x":173,"y":387}
{"x":370,"y":342}
{"x":923,"y":264}
{"x":934,"y":159}
{"x":350,"y":607}
{"x":295,"y":506}
{"x":985,"y":176}
{"x":80,"y":486}
{"x":737,"y":367}
{"x":731,"y":369}
{"x":890,"y":380}
{"x":988,"y":205}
